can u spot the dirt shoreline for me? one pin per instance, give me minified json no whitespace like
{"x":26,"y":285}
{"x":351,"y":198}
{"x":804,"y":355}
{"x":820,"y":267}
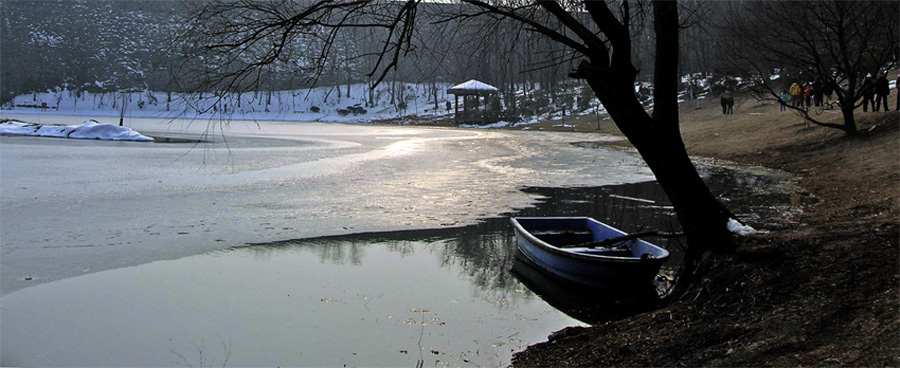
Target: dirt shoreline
{"x":822,"y":293}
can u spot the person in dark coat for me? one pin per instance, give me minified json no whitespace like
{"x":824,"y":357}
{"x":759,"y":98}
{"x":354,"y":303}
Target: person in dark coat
{"x":818,"y":92}
{"x":727,"y":102}
{"x":807,"y":94}
{"x":868,"y":93}
{"x":882,"y":90}
{"x":827,"y":91}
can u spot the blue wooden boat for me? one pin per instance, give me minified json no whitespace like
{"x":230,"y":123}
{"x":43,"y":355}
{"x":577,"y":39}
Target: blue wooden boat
{"x":568,"y":247}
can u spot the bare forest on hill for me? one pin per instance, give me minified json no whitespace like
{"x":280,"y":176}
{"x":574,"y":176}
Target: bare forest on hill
{"x":106,"y":46}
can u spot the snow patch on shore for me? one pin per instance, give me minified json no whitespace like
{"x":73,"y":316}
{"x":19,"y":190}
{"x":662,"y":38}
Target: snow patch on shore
{"x":90,"y":129}
{"x":740,"y":229}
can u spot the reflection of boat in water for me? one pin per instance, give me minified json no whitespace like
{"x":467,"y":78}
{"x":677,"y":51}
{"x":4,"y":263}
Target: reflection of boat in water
{"x":588,"y":305}
{"x":589,"y":252}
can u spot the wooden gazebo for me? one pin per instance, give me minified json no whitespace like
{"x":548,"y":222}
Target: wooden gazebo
{"x":475,"y":108}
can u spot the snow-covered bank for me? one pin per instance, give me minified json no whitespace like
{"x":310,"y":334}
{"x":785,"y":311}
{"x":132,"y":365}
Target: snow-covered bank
{"x":353,"y":103}
{"x":90,"y":129}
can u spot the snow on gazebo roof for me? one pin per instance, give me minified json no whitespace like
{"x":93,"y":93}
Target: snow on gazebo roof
{"x":472,"y":87}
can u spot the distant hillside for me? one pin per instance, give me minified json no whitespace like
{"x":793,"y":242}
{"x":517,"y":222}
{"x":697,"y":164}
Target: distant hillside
{"x":95,"y":45}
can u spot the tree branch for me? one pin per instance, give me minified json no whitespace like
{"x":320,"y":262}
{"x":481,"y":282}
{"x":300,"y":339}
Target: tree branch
{"x":589,"y":38}
{"x":536,"y":27}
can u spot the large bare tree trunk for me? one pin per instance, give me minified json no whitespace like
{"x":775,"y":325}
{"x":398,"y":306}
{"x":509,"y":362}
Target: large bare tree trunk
{"x":658,"y":138}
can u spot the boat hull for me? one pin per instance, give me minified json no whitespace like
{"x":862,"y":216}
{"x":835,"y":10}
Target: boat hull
{"x":544,"y":241}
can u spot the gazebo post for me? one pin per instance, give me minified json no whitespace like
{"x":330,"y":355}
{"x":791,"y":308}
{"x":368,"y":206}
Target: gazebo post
{"x":456,"y":111}
{"x":465,"y":110}
{"x":478,"y":112}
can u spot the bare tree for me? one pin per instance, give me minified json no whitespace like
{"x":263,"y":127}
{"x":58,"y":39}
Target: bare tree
{"x":834,"y":42}
{"x":248,"y":36}
{"x":235,"y":44}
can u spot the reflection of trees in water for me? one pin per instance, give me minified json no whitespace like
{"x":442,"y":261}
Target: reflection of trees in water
{"x":484,"y":252}
{"x":332,"y":249}
{"x":338,"y":253}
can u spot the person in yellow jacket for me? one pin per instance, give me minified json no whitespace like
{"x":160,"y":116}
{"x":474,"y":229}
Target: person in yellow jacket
{"x":796,"y":101}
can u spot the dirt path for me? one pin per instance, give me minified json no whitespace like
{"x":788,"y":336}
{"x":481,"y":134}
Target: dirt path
{"x":822,"y":293}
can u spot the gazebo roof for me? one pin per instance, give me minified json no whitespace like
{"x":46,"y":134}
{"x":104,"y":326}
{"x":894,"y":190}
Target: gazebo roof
{"x":472,"y":87}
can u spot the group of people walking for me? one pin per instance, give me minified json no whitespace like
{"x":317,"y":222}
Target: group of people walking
{"x":807,"y":95}
{"x":818,"y":94}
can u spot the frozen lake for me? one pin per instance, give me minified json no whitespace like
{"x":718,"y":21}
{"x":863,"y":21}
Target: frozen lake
{"x":123,"y":253}
{"x":72,"y":207}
